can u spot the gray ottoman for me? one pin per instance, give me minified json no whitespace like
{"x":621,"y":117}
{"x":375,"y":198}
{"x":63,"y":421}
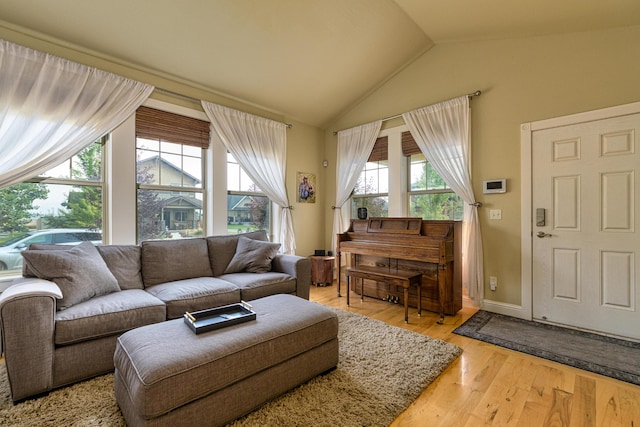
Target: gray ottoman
{"x":165,"y":375}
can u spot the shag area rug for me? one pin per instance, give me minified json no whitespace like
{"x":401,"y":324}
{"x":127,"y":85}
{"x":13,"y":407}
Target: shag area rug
{"x":381,"y":370}
{"x":612,"y":357}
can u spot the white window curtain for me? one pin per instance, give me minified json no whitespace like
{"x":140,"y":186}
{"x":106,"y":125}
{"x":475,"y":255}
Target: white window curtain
{"x":354,"y":147}
{"x":443,"y":133}
{"x":260,"y":147}
{"x":51,"y":108}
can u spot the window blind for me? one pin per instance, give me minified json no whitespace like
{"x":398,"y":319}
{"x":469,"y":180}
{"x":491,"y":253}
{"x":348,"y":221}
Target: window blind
{"x":380,"y":150}
{"x":409,"y":145}
{"x":170,"y":127}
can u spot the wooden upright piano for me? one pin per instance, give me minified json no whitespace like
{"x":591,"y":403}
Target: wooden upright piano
{"x":432,"y":248}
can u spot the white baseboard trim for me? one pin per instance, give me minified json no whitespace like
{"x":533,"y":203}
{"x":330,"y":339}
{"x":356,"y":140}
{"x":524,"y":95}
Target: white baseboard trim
{"x":504,"y":308}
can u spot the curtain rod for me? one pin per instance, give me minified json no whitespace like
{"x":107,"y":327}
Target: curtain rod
{"x":198,"y":101}
{"x":386,"y":119}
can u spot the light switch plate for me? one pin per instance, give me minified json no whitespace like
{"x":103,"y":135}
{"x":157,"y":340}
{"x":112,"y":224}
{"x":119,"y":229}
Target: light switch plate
{"x":495,"y":214}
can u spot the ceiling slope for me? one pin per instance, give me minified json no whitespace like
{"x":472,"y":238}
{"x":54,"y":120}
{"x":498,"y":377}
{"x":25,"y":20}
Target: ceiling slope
{"x":309,"y":60}
{"x":305,"y":59}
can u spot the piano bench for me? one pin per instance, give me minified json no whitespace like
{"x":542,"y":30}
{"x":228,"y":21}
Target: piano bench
{"x":392,"y":276}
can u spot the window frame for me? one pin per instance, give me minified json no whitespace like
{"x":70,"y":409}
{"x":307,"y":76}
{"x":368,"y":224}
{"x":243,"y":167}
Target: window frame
{"x":103,"y":141}
{"x":399,"y":175}
{"x":71,"y":182}
{"x":411,"y":192}
{"x":379,"y":153}
{"x":174,"y":190}
{"x":245,"y":193}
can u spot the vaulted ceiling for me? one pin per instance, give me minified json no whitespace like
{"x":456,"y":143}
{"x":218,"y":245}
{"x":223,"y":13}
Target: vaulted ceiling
{"x":307,"y":59}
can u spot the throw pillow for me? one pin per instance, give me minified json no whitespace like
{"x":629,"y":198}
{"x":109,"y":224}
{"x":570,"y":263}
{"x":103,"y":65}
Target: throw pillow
{"x":252,"y":256}
{"x":80,"y":272}
{"x":223,"y":248}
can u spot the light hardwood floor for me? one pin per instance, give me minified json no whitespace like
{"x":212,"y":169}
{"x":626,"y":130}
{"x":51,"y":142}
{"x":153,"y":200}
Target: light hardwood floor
{"x":489,"y":385}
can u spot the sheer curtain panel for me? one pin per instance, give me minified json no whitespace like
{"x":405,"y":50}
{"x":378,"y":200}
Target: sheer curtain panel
{"x":354,"y":147}
{"x":443,"y":133}
{"x":51,"y":108}
{"x":260,"y":147}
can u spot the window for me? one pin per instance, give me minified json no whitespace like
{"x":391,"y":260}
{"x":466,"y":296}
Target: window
{"x":372,"y":188}
{"x":429,"y":195}
{"x":248,"y":209}
{"x":170,"y":171}
{"x":61,"y":205}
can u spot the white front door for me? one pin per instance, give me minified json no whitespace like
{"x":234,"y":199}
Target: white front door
{"x":586,"y":255}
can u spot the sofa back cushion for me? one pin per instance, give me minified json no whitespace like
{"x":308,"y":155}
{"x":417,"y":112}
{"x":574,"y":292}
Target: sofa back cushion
{"x":26,"y":271}
{"x":223,"y":248}
{"x":80,"y":272}
{"x":124,"y":263}
{"x":170,"y":260}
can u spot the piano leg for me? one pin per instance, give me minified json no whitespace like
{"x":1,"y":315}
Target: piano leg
{"x":406,"y":303}
{"x":441,"y":292}
{"x":339,"y":272}
{"x":348,"y":289}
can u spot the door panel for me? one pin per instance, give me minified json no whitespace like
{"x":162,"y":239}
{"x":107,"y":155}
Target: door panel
{"x":585,"y":256}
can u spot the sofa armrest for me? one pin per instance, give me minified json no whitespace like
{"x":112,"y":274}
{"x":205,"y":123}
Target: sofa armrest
{"x":297,"y":267}
{"x":27,"y":319}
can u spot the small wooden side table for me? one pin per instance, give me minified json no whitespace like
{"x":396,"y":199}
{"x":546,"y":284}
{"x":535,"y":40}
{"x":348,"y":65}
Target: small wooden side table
{"x":322,"y":270}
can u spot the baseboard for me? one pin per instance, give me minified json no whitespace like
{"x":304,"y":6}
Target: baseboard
{"x":512,"y":310}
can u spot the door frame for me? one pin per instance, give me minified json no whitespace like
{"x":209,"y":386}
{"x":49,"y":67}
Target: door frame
{"x":525,"y":310}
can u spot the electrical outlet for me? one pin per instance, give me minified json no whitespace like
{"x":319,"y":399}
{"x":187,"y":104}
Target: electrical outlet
{"x":493,"y":282}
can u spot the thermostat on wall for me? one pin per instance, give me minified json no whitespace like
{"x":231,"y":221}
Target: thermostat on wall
{"x":494,"y":186}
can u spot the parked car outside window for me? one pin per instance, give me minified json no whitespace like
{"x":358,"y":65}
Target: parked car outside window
{"x":10,"y":250}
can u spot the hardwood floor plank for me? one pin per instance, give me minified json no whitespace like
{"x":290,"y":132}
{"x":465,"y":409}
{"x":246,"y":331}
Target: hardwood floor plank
{"x":583,"y":412}
{"x":490,"y":385}
{"x":629,"y":405}
{"x":560,"y":412}
{"x":504,"y":401}
{"x":611,"y":416}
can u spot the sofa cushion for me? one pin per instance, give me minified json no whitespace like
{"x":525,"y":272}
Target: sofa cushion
{"x":223,"y":248}
{"x":107,"y":315}
{"x":195,"y":294}
{"x":80,"y":272}
{"x":253,"y":286}
{"x":124,"y":263}
{"x":169,"y":260}
{"x":252,"y":256}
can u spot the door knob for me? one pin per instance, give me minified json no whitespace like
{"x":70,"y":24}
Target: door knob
{"x":542,"y":234}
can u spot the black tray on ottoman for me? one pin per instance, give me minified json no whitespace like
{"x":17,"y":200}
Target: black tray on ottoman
{"x":219,"y":317}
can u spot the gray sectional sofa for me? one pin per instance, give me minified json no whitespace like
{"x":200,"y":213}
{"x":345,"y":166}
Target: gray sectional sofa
{"x":60,"y":322}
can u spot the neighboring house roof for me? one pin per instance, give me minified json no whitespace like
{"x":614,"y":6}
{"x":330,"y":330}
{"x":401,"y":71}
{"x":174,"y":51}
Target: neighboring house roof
{"x":237,"y":202}
{"x":154,"y":159}
{"x":182,"y":201}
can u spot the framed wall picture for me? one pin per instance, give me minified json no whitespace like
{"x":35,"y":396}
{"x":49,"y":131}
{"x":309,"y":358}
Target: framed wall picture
{"x":306,"y":187}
